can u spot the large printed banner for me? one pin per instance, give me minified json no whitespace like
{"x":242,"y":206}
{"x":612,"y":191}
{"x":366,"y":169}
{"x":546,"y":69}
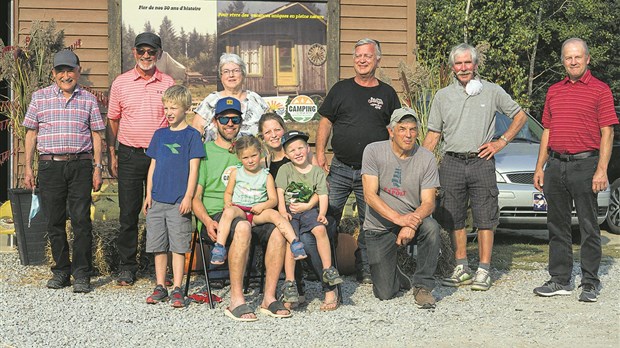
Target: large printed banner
{"x":282,"y":43}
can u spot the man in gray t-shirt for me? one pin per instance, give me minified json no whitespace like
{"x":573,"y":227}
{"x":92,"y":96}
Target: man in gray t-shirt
{"x":400,"y":180}
{"x":464,"y":113}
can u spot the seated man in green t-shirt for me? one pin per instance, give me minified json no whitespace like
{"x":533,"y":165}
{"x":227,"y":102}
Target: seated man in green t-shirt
{"x":208,"y":204}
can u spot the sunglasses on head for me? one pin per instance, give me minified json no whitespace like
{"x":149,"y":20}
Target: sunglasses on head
{"x":223,"y":120}
{"x":142,"y":51}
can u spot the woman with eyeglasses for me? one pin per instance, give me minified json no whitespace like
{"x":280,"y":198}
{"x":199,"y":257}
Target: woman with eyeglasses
{"x":232,"y":71}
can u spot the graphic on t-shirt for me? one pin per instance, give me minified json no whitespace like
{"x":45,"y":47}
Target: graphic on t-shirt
{"x":173,"y":148}
{"x":377,"y":103}
{"x":226,"y":174}
{"x":297,"y":192}
{"x":396,"y":178}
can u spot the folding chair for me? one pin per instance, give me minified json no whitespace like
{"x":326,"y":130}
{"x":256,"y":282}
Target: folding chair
{"x":198,"y":239}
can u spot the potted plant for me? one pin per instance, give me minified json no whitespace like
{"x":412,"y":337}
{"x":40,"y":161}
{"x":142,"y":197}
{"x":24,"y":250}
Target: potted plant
{"x":26,"y":69}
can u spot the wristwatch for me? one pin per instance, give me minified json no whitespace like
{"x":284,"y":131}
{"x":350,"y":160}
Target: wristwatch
{"x":98,"y":165}
{"x":504,"y":139}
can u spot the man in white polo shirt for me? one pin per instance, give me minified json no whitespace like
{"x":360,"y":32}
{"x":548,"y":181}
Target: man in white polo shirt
{"x":135,"y":112}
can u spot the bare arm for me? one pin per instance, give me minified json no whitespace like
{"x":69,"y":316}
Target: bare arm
{"x":488,"y":150}
{"x":111,"y":134}
{"x":323,"y":204}
{"x":322,"y":135}
{"x":31,"y":145}
{"x":282,"y":204}
{"x":543,"y":155}
{"x":600,"y":180}
{"x":198,"y":123}
{"x":431,"y":140}
{"x":230,"y":188}
{"x":272,"y":197}
{"x":186,"y":203}
{"x":97,"y":147}
{"x":370,"y":185}
{"x":201,"y":213}
{"x":148,"y":200}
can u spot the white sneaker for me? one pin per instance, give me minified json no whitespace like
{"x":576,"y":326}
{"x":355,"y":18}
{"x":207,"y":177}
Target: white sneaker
{"x":460,"y":276}
{"x":482,"y":280}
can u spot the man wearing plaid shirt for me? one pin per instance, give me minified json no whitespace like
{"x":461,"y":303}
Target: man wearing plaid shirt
{"x":64,"y":124}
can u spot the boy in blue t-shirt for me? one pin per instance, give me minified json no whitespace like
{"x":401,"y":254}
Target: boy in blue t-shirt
{"x":175,"y":157}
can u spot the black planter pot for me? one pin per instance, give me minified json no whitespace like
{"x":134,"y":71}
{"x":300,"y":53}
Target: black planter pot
{"x":31,"y":241}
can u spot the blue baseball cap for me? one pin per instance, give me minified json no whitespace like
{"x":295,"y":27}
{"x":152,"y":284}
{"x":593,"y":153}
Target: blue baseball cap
{"x":66,"y":58}
{"x":228,"y":103}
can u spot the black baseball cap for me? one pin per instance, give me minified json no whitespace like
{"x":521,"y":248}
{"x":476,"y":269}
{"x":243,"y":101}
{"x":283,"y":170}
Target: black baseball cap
{"x":149,"y":39}
{"x":292,"y":135}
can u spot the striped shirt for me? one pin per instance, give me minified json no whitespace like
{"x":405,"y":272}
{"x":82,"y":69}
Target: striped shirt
{"x":575,"y":113}
{"x":64,"y":126}
{"x":137,"y":103}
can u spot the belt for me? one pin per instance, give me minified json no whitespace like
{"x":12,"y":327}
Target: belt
{"x":565,"y":157}
{"x":66,"y":157}
{"x":131,"y":148}
{"x":354,"y":167}
{"x":462,"y":155}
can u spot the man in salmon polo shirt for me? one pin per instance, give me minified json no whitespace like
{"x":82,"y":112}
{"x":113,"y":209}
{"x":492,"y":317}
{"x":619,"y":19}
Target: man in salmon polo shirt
{"x":135,"y":112}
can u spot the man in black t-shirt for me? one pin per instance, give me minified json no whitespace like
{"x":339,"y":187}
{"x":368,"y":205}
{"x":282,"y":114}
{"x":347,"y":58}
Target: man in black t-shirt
{"x":357,"y":110}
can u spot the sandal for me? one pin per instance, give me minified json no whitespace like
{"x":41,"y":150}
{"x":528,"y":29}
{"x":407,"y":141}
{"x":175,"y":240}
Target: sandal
{"x":218,"y":254}
{"x":297,"y":248}
{"x":236,"y":314}
{"x":331,"y":305}
{"x":273,"y":308}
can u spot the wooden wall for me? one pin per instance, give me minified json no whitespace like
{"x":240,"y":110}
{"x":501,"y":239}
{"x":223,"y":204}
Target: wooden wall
{"x":391,"y":22}
{"x":87,"y":21}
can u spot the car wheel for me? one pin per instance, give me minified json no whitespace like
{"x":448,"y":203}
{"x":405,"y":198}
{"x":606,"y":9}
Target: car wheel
{"x":613,"y":212}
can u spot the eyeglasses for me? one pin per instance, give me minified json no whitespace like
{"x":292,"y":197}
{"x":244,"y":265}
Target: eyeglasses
{"x":223,"y":120}
{"x":142,"y":51}
{"x":231,"y":72}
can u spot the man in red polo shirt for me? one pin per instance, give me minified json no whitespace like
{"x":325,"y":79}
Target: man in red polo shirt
{"x":135,"y":112}
{"x":574,"y":151}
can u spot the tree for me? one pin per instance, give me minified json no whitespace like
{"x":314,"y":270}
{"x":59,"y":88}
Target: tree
{"x":224,"y":23}
{"x":524,"y":39}
{"x":169,"y":39}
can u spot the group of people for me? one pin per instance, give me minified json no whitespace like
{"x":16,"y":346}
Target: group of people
{"x":243,"y":175}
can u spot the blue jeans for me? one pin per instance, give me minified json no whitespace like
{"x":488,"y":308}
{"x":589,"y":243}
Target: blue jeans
{"x":68,"y":184}
{"x":565,"y":183}
{"x":313,"y":253}
{"x":133,"y":167}
{"x":383,"y":258}
{"x":342,"y":181}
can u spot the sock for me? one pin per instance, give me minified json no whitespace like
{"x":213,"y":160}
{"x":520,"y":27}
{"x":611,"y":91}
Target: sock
{"x":484,"y":266}
{"x":462,"y":262}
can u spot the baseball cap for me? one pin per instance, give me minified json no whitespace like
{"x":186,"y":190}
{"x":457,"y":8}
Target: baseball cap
{"x":228,"y":103}
{"x":398,"y":114}
{"x":292,"y":135}
{"x":149,"y":39}
{"x":66,"y":58}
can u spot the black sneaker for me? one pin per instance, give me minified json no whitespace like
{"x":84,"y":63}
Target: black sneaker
{"x":82,"y":285}
{"x":588,"y":293}
{"x":59,"y":281}
{"x":159,"y":294}
{"x":126,"y":278}
{"x":552,"y":288}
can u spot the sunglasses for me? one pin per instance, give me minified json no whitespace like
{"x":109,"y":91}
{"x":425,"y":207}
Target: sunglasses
{"x":223,"y":120}
{"x":142,"y":51}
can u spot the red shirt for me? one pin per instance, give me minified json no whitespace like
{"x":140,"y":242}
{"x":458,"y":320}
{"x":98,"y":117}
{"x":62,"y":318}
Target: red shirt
{"x":137,"y":103}
{"x":575,"y":113}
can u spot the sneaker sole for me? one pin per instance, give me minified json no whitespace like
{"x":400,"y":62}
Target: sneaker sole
{"x":456,"y":285}
{"x":335,"y":282}
{"x":425,"y":306}
{"x":480,"y":287}
{"x":154,"y":301}
{"x":582,"y":299}
{"x":555,"y":293}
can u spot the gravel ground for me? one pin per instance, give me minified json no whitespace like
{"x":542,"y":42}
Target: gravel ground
{"x":508,"y":315}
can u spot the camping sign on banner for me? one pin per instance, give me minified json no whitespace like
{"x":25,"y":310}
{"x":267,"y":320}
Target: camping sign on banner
{"x":302,"y":108}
